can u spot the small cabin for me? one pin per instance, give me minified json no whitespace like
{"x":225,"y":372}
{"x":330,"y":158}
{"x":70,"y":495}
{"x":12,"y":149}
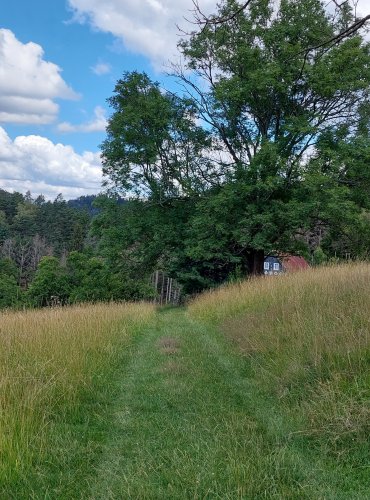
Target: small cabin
{"x":278,"y":264}
{"x":272,"y":265}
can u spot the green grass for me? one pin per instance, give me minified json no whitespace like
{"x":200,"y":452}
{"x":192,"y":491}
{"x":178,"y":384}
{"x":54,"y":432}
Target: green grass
{"x":305,"y":342}
{"x":185,"y":424}
{"x":57,"y":372}
{"x":257,"y":390}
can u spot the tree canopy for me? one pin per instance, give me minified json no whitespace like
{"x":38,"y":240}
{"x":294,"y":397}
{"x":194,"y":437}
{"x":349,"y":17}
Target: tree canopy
{"x":267,"y":140}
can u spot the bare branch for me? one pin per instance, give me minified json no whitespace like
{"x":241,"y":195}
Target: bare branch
{"x":351,"y":30}
{"x":202,"y":19}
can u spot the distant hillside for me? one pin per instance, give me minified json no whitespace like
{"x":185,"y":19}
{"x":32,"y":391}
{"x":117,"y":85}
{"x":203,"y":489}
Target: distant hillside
{"x":9,"y":202}
{"x":87,"y":203}
{"x":84,"y":203}
{"x":32,"y":228}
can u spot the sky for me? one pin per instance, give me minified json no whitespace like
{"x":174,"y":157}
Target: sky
{"x":59,"y":62}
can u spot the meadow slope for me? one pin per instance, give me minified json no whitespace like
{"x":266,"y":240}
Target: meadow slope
{"x":256,"y":390}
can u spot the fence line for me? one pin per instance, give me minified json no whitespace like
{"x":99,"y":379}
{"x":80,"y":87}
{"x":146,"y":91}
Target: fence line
{"x":168,"y":290}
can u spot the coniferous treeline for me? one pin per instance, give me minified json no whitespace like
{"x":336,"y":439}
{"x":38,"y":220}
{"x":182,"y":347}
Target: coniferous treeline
{"x":49,"y":255}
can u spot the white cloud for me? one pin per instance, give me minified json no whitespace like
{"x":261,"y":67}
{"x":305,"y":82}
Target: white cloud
{"x":28,"y":83}
{"x":35,"y":163}
{"x":149,"y":27}
{"x":97,"y":124}
{"x":146,"y":26}
{"x":101,"y":68}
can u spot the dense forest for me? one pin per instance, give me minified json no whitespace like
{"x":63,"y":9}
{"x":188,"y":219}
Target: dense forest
{"x":50,"y":255}
{"x":265,"y":149}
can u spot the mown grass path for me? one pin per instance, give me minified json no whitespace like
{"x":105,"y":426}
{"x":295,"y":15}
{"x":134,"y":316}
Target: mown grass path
{"x":190,"y":423}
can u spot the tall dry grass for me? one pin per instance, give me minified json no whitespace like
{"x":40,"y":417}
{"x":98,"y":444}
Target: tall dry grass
{"x":307,"y":340}
{"x":51,"y":360}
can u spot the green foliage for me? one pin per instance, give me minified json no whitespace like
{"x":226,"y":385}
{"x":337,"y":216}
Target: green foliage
{"x":91,"y":280}
{"x":8,"y":267}
{"x":153,"y":145}
{"x":319,"y":256}
{"x":9,"y":291}
{"x":50,"y":285}
{"x":140,"y":236}
{"x":4,"y":227}
{"x":33,"y":228}
{"x":354,"y":241}
{"x":24,"y":222}
{"x":43,"y":229}
{"x":276,"y":98}
{"x":9,"y":203}
{"x":62,"y":226}
{"x":281,"y":145}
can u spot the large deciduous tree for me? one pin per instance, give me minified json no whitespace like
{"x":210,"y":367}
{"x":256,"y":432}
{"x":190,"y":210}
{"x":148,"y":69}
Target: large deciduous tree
{"x":154,"y":146}
{"x":254,"y":137}
{"x":270,"y":98}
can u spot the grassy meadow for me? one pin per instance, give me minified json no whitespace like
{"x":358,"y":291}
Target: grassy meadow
{"x":305,"y":341}
{"x":255,"y":390}
{"x":56,"y":367}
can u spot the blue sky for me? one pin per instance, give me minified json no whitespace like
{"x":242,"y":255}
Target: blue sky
{"x":59,"y":61}
{"x":77,"y":50}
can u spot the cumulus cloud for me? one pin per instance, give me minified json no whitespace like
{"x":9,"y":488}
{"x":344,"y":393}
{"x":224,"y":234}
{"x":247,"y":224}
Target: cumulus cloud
{"x":146,"y":26}
{"x":97,"y":124}
{"x":28,"y":84}
{"x":101,"y":68}
{"x":35,"y":163}
{"x":149,"y":27}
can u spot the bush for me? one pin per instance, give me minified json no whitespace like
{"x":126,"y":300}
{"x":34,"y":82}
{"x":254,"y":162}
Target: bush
{"x":50,"y":284}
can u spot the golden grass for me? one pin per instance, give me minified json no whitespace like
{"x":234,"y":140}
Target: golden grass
{"x":49,"y":360}
{"x":324,"y":311}
{"x":350,"y":281}
{"x":307,"y":337}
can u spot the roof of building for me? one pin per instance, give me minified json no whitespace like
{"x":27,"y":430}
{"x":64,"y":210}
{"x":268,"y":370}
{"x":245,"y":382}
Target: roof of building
{"x":294,"y":263}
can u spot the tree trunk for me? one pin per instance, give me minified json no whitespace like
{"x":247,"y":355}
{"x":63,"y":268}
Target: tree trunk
{"x":256,"y":259}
